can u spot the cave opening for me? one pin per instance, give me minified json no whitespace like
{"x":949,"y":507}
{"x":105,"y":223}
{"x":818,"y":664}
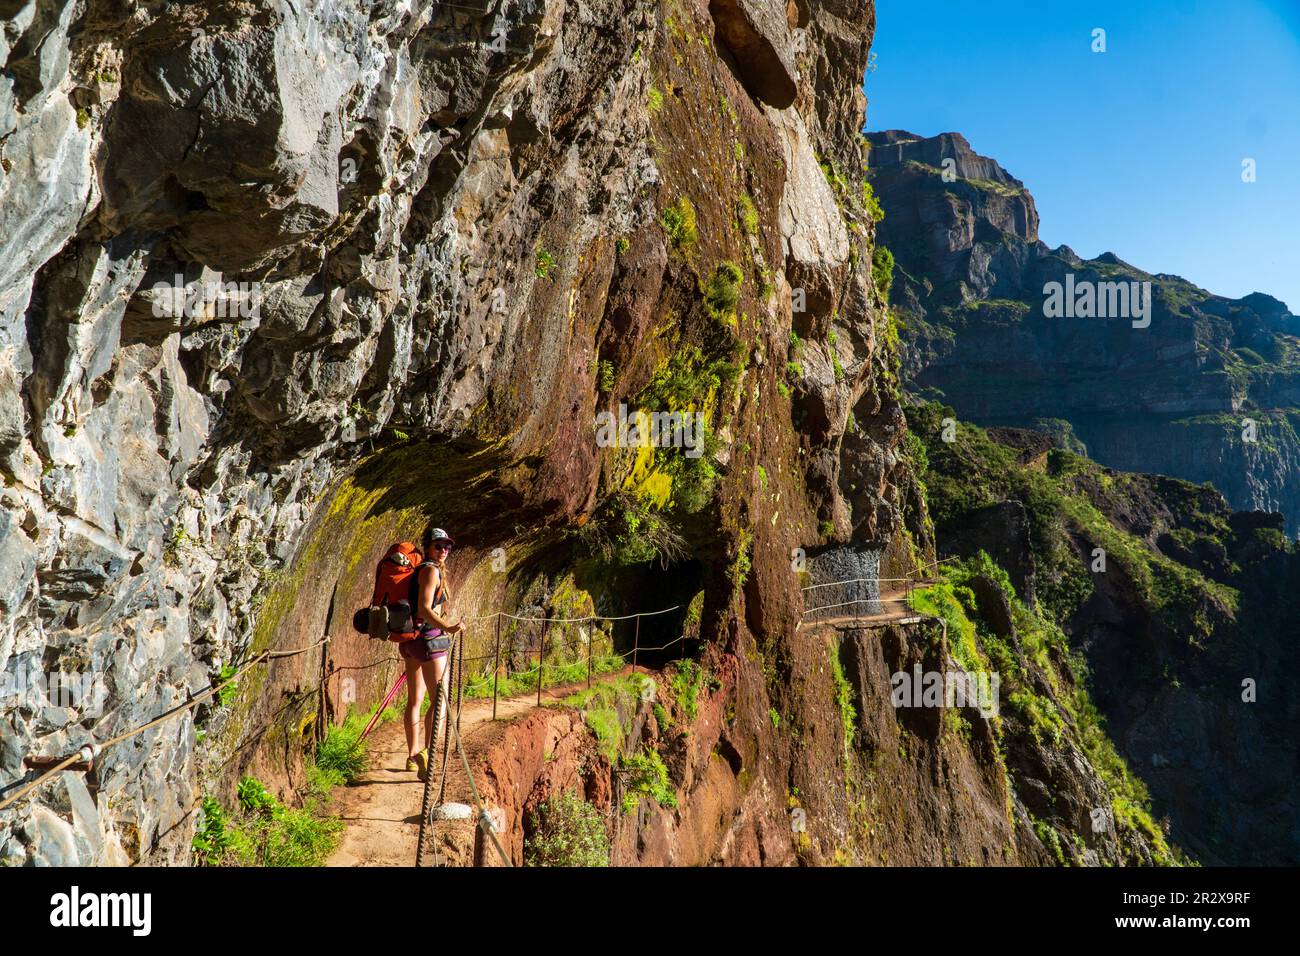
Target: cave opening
{"x":649,"y":587}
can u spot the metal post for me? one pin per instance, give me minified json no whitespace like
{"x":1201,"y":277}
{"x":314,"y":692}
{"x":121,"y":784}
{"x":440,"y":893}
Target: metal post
{"x":636,"y":642}
{"x":588,"y":662}
{"x":496,"y":667}
{"x":541,"y":656}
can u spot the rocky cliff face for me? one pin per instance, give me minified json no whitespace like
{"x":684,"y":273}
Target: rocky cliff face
{"x":248,"y":246}
{"x":282,"y":283}
{"x":1203,"y":388}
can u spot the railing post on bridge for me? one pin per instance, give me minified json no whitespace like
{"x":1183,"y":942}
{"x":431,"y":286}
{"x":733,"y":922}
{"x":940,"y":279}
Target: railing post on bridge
{"x":541,"y":658}
{"x":589,"y":645}
{"x":496,"y":667}
{"x":636,"y":642}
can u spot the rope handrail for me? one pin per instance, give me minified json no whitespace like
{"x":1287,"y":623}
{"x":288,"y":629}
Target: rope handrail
{"x":827,"y":607}
{"x":90,"y":751}
{"x":483,"y":816}
{"x":831,"y":584}
{"x":572,"y":620}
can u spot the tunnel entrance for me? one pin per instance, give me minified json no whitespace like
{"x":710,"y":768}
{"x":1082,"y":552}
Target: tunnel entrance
{"x":644,"y":588}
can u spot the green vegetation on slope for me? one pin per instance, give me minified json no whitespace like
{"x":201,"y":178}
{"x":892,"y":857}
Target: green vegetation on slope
{"x":1064,"y":501}
{"x":1083,"y":521}
{"x":1065,"y":709}
{"x":567,"y":831}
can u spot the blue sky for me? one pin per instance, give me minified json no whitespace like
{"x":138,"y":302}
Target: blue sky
{"x":1135,"y":151}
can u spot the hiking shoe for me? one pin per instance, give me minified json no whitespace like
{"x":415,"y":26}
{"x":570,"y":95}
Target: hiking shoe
{"x":416,"y":764}
{"x":421,"y":761}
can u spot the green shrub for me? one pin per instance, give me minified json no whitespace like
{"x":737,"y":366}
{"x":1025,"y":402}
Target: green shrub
{"x":748,"y":214}
{"x":743,"y":563}
{"x":694,"y":479}
{"x":1041,"y":714}
{"x":688,"y":377}
{"x":882,"y":270}
{"x":723,"y":291}
{"x":844,"y":701}
{"x":871,"y":202}
{"x":661,"y":716}
{"x":1048,"y":837}
{"x":545,"y":263}
{"x":263,"y":832}
{"x":627,"y":529}
{"x":230,"y":690}
{"x":646,"y":776}
{"x":601,"y":706}
{"x":654,"y":100}
{"x":605,"y":375}
{"x":567,"y":831}
{"x":679,"y":222}
{"x":212,"y":840}
{"x":685,"y":684}
{"x":342,"y":754}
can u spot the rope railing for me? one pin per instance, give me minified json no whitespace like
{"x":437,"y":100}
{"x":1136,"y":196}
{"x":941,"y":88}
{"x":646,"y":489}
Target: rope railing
{"x":905,"y":600}
{"x":88,"y":752}
{"x":571,"y":620}
{"x":831,"y":584}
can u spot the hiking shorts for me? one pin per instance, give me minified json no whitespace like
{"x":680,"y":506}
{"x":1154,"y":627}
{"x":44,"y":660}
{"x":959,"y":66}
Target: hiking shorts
{"x":419,"y":649}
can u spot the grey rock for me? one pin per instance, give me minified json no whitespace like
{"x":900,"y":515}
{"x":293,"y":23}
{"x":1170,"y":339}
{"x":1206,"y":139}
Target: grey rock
{"x":757,"y":34}
{"x":452,"y":811}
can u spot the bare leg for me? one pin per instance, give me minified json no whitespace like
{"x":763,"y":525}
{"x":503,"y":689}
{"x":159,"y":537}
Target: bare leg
{"x":414,"y":697}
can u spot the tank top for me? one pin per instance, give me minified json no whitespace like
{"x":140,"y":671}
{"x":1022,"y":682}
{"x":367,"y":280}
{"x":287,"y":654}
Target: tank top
{"x":439,"y":596}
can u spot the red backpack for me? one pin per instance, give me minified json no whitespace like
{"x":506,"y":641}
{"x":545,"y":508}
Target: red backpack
{"x":395,"y":602}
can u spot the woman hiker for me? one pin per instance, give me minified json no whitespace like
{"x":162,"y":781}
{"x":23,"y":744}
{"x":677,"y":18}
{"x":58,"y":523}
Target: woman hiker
{"x":426,"y":656}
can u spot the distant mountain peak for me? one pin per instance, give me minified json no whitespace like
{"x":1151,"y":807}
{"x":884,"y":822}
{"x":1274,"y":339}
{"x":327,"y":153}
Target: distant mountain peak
{"x":893,"y":147}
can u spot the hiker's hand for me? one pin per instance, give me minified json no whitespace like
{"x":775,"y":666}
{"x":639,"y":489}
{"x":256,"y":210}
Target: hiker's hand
{"x":458,"y":627}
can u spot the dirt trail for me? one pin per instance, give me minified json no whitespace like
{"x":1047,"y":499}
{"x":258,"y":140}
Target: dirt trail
{"x":382,"y":807}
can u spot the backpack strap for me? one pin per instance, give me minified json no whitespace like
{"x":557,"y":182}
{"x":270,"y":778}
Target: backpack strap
{"x":442,"y":591}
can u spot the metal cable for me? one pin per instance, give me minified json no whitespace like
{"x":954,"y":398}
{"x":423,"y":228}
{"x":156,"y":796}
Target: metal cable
{"x":95,"y":749}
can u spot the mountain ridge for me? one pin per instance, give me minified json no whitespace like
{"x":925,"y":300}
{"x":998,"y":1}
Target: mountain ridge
{"x":1210,"y":392}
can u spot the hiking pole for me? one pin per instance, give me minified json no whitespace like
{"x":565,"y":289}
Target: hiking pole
{"x":401,"y":679}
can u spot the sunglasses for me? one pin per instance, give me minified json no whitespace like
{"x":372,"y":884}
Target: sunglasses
{"x":442,"y":547}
